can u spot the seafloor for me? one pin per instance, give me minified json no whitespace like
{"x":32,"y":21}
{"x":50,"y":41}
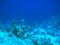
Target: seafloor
{"x":46,"y":33}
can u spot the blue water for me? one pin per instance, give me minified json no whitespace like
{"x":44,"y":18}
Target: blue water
{"x":29,"y":10}
{"x":42,"y":19}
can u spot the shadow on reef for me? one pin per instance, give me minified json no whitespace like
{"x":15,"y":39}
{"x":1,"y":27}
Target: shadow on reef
{"x":47,"y":33}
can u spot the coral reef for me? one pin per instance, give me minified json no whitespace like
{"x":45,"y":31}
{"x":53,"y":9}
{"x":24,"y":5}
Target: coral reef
{"x":48,"y":33}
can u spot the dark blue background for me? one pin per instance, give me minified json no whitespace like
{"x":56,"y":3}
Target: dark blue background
{"x":29,"y":10}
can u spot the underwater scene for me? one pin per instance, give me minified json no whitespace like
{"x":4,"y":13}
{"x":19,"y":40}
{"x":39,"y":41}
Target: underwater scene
{"x":29,"y":22}
{"x":19,"y":33}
